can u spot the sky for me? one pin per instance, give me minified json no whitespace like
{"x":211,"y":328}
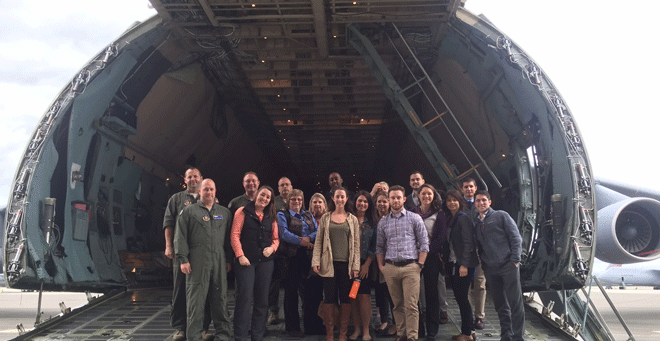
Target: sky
{"x":600,"y":55}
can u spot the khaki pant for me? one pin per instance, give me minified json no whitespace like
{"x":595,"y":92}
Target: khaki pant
{"x":479,"y":293}
{"x":403,"y":284}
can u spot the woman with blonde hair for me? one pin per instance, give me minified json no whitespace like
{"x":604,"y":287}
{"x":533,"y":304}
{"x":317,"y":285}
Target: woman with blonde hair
{"x":336,"y":258}
{"x":318,"y":206}
{"x":298,"y":233}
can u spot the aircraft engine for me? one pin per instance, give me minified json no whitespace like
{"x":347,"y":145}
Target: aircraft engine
{"x":629,"y":231}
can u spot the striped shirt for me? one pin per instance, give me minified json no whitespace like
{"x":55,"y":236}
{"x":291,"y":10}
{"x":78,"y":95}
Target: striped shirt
{"x":402,"y":236}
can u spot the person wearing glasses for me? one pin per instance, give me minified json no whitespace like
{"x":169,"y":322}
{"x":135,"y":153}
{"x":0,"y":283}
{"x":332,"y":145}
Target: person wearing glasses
{"x":298,"y":228}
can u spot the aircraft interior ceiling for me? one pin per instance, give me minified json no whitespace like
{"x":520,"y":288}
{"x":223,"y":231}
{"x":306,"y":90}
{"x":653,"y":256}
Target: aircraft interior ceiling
{"x":324,"y":109}
{"x":372,"y":90}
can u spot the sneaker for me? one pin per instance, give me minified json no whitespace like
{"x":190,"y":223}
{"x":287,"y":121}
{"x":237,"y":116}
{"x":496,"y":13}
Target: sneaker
{"x":272,"y":318}
{"x":479,"y":324}
{"x":180,"y":335}
{"x":207,"y":336}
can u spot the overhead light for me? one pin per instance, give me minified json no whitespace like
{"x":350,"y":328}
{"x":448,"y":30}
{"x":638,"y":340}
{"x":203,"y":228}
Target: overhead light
{"x":265,"y":37}
{"x":284,"y":109}
{"x":263,"y":61}
{"x":335,"y":36}
{"x":253,"y":5}
{"x":354,"y":2}
{"x":278,"y":95}
{"x":272,"y":80}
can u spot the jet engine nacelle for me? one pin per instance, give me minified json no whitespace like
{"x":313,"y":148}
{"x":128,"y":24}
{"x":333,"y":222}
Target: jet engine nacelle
{"x":629,"y":231}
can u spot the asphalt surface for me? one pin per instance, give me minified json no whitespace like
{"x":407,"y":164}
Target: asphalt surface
{"x":19,"y":307}
{"x":638,"y":306}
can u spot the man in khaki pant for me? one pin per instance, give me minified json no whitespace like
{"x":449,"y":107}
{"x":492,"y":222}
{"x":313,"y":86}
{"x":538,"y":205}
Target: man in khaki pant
{"x":401,"y":248}
{"x":469,"y":187}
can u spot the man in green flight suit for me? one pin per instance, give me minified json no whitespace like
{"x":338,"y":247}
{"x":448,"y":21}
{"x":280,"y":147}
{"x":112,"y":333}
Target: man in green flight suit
{"x":175,"y":205}
{"x":201,"y":244}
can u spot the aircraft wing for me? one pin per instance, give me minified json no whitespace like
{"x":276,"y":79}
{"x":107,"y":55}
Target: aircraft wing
{"x":638,"y":274}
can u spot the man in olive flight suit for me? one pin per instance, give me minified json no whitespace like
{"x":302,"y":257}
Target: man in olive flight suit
{"x":192,"y":177}
{"x":201,"y":244}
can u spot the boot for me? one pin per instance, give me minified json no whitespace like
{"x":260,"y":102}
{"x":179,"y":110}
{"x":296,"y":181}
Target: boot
{"x":344,"y":316}
{"x":326,"y":312}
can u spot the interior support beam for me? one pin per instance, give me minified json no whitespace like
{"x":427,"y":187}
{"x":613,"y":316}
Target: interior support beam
{"x":320,"y":28}
{"x":209,"y":12}
{"x":402,"y":106}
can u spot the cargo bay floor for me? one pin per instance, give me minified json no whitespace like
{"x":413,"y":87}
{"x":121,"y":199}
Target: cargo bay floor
{"x":144,"y":315}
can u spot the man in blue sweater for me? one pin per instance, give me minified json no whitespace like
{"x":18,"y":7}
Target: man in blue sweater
{"x":500,"y":247}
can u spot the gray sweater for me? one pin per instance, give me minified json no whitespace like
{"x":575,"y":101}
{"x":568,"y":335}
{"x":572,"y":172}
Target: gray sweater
{"x":499,"y":239}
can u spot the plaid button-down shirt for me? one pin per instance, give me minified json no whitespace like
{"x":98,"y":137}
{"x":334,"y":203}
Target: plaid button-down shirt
{"x":402,"y":236}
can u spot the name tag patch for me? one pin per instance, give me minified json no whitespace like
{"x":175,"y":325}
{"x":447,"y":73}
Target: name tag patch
{"x":216,"y":217}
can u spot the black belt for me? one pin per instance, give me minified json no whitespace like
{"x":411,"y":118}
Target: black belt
{"x":401,"y":262}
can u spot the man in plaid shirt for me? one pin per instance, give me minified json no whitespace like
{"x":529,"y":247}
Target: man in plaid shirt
{"x":402,"y":244}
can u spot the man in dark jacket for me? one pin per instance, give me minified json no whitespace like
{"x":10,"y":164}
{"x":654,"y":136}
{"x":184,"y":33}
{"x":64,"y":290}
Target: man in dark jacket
{"x":500,"y":248}
{"x":416,"y":182}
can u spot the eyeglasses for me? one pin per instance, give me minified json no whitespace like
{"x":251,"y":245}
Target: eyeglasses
{"x":295,"y":199}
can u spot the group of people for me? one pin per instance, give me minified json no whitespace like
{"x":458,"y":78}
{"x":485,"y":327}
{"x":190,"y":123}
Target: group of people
{"x":401,"y":247}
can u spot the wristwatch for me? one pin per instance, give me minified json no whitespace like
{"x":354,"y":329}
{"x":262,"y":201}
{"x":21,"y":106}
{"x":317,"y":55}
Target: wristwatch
{"x":420,"y":265}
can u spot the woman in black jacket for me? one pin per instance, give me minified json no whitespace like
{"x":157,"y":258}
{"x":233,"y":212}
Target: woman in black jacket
{"x":460,"y":255}
{"x":254,"y":239}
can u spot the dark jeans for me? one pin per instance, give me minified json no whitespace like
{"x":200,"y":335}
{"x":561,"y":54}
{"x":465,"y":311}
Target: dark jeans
{"x":504,"y":287}
{"x":312,"y":297}
{"x":276,"y":282}
{"x":297,"y":279}
{"x":384,"y":303}
{"x":252,"y":284}
{"x":461,"y":288}
{"x":430,"y":273}
{"x":336,"y":289}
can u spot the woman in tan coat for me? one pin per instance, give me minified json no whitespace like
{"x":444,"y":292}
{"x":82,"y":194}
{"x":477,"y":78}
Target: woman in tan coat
{"x":336,"y":258}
